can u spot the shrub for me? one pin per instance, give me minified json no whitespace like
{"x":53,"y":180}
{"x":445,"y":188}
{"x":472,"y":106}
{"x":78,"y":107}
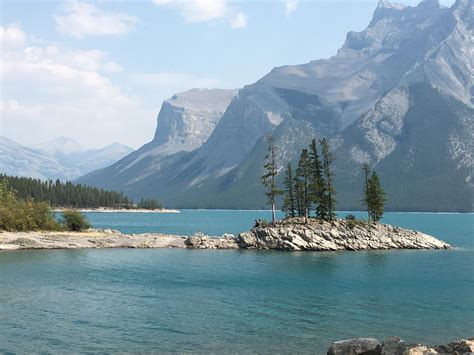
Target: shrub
{"x":351,"y":221}
{"x":262,"y":223}
{"x":74,"y":221}
{"x":23,"y":215}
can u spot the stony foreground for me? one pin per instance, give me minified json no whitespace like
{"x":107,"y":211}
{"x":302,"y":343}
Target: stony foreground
{"x":396,"y":346}
{"x":321,"y":236}
{"x":291,"y":235}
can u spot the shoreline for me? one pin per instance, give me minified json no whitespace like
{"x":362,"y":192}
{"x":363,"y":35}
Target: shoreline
{"x":116,"y":210}
{"x":288,"y":235}
{"x":90,"y":239}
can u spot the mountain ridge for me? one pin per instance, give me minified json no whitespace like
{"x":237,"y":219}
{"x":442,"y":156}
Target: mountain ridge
{"x":60,"y":158}
{"x":362,"y":99}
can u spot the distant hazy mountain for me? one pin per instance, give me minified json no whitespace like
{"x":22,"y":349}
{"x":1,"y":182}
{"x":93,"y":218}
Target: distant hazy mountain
{"x":18,"y":160}
{"x":398,"y":95}
{"x":61,"y":158}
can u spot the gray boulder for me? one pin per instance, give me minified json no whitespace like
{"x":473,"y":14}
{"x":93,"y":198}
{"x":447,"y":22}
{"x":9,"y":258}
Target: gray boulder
{"x":458,"y":347}
{"x":365,"y":346}
{"x":393,"y":346}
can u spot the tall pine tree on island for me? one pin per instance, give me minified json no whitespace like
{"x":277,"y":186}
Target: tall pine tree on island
{"x":299,"y":196}
{"x":329,"y":199}
{"x":376,"y":198}
{"x":289,"y":203}
{"x":366,"y":172}
{"x":317,"y":185}
{"x":269,"y":177}
{"x":303,"y":175}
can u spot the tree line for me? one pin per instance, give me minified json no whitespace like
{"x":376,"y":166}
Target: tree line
{"x":311,"y":185}
{"x":68,"y":194}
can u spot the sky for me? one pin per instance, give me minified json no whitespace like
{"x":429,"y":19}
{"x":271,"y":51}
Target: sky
{"x":98,"y":71}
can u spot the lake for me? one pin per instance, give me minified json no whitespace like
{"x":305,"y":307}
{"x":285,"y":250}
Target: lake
{"x":143,"y":300}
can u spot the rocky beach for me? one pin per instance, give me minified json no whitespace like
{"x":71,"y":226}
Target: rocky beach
{"x":290,"y":235}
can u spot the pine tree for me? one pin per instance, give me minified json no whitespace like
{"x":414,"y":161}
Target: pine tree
{"x":317,"y":184}
{"x":299,"y":196}
{"x":289,"y":205}
{"x":329,"y":200}
{"x":365,"y":200}
{"x":303,"y":175}
{"x":269,"y":177}
{"x":376,"y":198}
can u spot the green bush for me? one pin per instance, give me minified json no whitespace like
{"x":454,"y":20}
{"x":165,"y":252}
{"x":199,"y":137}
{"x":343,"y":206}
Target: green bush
{"x":74,"y":221}
{"x":23,"y":215}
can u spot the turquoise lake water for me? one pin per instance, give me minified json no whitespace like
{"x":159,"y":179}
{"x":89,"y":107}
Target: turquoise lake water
{"x":222,"y":301}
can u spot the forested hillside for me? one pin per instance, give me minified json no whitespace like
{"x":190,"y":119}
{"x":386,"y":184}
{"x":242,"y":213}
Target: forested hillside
{"x":68,"y":194}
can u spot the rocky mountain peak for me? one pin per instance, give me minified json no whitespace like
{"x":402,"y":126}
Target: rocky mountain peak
{"x":385,"y":4}
{"x":186,"y":120}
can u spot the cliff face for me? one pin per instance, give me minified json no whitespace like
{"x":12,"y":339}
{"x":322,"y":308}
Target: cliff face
{"x":187,"y":119}
{"x":184,"y":123}
{"x":397,"y":94}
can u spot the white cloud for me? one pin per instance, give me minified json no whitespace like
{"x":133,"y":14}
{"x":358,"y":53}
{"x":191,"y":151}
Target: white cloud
{"x":291,"y":5}
{"x":207,"y":10}
{"x":11,"y":36}
{"x":239,"y":21}
{"x":88,"y":60}
{"x":50,"y":90}
{"x":81,"y":19}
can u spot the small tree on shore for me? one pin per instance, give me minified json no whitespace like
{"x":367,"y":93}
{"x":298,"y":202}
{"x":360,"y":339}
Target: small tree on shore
{"x":269,"y":176}
{"x":289,"y":205}
{"x":303,"y":175}
{"x":329,"y":200}
{"x":74,"y":221}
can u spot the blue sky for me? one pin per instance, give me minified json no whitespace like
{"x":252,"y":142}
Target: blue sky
{"x":99,"y":71}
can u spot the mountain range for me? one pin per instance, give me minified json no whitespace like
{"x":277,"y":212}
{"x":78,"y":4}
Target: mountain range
{"x":61,"y":158}
{"x":398,"y":95}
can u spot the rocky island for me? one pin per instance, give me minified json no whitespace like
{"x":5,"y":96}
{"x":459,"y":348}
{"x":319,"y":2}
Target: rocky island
{"x":318,"y":235}
{"x":291,"y":235}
